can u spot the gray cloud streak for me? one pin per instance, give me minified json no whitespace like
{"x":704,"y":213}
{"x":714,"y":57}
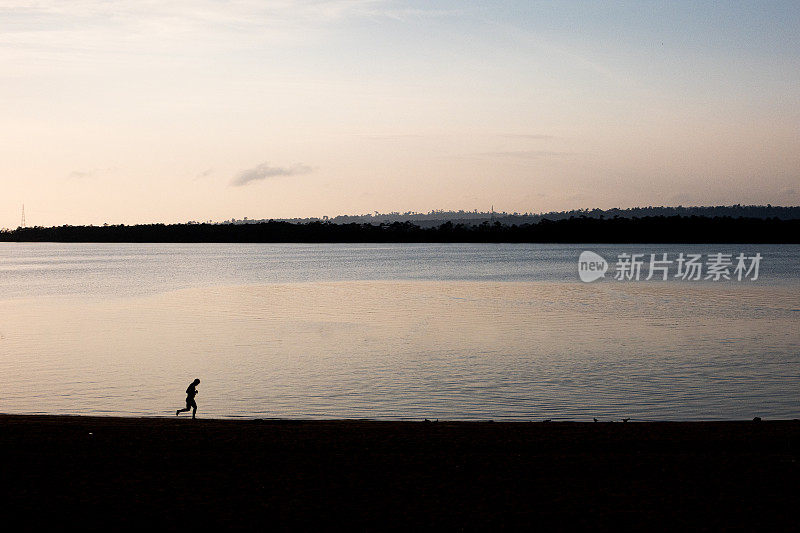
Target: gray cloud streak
{"x":264,"y":171}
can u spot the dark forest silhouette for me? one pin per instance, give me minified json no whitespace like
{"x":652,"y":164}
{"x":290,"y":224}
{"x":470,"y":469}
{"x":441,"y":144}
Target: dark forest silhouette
{"x":438,"y":217}
{"x":583,"y":229}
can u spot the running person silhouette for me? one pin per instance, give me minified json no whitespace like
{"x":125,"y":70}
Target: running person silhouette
{"x":191,"y":392}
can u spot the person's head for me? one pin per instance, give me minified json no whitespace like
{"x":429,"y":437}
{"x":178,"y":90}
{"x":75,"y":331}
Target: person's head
{"x":196,"y":382}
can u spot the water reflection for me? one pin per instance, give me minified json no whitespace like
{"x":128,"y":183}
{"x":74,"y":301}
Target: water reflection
{"x":404,"y":349}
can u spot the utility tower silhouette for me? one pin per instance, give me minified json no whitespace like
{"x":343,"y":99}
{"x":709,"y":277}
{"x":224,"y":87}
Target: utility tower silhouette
{"x":22,"y":225}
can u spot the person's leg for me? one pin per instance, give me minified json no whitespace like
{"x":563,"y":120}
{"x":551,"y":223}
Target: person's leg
{"x":194,"y":408}
{"x":188,"y":407}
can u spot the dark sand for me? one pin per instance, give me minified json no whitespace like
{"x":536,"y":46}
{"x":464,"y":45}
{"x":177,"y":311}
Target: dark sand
{"x":364,"y":475}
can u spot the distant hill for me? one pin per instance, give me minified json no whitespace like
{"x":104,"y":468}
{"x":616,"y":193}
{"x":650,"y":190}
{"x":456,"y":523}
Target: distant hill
{"x":436,"y":218}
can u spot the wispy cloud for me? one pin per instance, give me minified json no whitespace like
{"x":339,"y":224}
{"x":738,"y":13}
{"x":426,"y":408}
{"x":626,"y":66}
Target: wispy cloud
{"x":404,"y":14}
{"x":80,"y":174}
{"x":86,"y":174}
{"x":206,"y":173}
{"x":213,"y":10}
{"x":84,"y":30}
{"x":393,"y":137}
{"x":580,"y":59}
{"x":683,"y":199}
{"x":531,"y":136}
{"x":265,"y":170}
{"x":527,"y":154}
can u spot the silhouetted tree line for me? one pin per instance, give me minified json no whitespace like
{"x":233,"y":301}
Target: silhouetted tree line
{"x":677,"y":229}
{"x":437,"y":217}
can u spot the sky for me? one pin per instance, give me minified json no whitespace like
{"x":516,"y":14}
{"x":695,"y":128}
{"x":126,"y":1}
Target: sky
{"x":138,"y":111}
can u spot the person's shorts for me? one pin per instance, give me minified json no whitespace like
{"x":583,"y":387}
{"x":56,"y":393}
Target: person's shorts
{"x":190,"y":403}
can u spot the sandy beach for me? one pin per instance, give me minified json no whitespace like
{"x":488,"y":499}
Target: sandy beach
{"x":104,"y":472}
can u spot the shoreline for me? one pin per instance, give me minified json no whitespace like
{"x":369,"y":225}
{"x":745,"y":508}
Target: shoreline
{"x":344,"y":421}
{"x":365,"y":474}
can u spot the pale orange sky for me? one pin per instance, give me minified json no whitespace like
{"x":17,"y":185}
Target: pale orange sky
{"x":142,"y":111}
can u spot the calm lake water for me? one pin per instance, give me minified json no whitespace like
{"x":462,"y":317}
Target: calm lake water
{"x":393,"y":331}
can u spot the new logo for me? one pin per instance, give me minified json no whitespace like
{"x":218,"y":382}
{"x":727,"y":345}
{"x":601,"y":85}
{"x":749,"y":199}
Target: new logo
{"x":591,"y":266}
